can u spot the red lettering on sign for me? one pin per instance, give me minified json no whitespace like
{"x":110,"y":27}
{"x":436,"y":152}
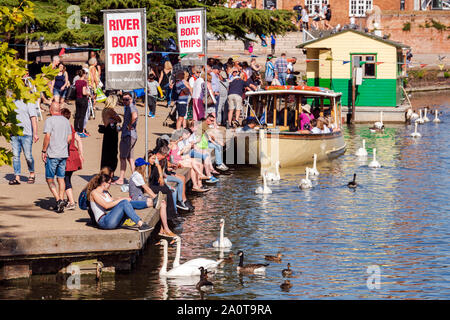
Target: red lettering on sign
{"x":124,"y":24}
{"x":189,"y":19}
{"x":126,"y":58}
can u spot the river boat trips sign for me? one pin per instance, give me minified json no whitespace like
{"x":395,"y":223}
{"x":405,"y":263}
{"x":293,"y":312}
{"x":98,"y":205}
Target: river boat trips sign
{"x":191,"y":30}
{"x":125,"y":48}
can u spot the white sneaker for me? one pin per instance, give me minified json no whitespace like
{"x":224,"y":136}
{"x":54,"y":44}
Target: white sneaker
{"x":222,"y":167}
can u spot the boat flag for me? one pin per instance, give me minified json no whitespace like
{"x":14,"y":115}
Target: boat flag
{"x":362,"y":63}
{"x":346,"y":61}
{"x":423,"y":65}
{"x":62,"y":52}
{"x":263,"y":118}
{"x":441,"y":66}
{"x":378,"y":63}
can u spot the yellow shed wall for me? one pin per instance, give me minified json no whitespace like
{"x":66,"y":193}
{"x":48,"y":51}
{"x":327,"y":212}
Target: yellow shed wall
{"x":343,"y":45}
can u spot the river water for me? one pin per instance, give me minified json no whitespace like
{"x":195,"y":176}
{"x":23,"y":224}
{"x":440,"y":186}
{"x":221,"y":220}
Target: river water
{"x":395,"y":224}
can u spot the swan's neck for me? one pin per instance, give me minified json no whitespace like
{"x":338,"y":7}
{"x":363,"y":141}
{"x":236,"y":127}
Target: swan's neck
{"x":163,"y":270}
{"x":420,"y":113}
{"x":222,"y":227}
{"x":381,"y":116}
{"x":315,"y":160}
{"x":264,"y":180}
{"x":176,"y":262}
{"x":364,"y":144}
{"x":436,"y":114}
{"x":277,"y":169}
{"x":415,"y":128}
{"x":307,"y":174}
{"x":374,"y":154}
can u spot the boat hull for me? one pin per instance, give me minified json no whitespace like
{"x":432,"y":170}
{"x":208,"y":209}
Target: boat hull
{"x":290,"y":149}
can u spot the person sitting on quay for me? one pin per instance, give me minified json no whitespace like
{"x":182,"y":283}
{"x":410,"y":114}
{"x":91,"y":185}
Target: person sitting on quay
{"x":111,"y":213}
{"x":140,"y":191}
{"x":213,"y":143}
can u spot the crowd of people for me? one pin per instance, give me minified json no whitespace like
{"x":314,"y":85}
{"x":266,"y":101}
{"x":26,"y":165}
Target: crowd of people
{"x":188,"y":159}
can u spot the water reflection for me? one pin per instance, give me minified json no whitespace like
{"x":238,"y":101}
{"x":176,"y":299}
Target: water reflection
{"x":396,"y":219}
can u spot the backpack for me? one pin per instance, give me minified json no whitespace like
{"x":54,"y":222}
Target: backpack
{"x":84,"y":204}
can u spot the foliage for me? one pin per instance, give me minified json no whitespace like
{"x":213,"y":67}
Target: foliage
{"x":12,"y":70}
{"x":407,"y":26}
{"x":446,"y":75}
{"x":438,"y":26}
{"x":51,"y":20}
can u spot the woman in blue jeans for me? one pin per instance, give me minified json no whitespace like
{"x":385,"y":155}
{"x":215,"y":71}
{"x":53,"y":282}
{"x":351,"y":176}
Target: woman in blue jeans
{"x":111,"y":213}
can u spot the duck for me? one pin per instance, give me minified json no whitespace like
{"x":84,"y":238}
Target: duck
{"x":265,"y":189}
{"x":274,"y":176}
{"x":286,"y":285}
{"x":352,"y":184}
{"x":306,"y":183}
{"x":198,"y":262}
{"x":204,"y":283}
{"x":436,"y":119}
{"x":250,"y":268}
{"x":180,"y":271}
{"x":378,"y":126}
{"x":287,"y":272}
{"x":276,"y":258}
{"x":425,"y":118}
{"x":229,"y":259}
{"x":362,"y":152}
{"x":420,"y":120}
{"x":374,"y":163}
{"x":415,"y":134}
{"x":222,"y":242}
{"x":314,"y":171}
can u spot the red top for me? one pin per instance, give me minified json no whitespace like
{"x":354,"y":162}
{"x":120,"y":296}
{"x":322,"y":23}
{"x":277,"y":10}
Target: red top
{"x":73,"y":162}
{"x":79,"y":84}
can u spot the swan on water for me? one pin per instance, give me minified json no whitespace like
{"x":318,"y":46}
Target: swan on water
{"x":314,"y":171}
{"x":362,"y":152}
{"x":425,"y":118}
{"x":306,"y":183}
{"x":420,"y":120}
{"x":198,"y":262}
{"x":180,"y":271}
{"x":222,"y":242}
{"x":415,"y":134}
{"x":265,"y":189}
{"x":436,"y":119}
{"x":379,"y":124}
{"x":411,"y":115}
{"x":274,"y":176}
{"x":374,"y":163}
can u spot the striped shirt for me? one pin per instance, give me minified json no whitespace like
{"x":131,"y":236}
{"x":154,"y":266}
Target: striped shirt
{"x":281,"y":65}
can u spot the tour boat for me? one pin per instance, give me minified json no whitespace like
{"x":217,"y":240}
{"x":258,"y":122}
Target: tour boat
{"x":276,"y":108}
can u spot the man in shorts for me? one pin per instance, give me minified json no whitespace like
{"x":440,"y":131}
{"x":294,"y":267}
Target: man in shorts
{"x":55,"y":151}
{"x":235,"y":91}
{"x":129,"y":136}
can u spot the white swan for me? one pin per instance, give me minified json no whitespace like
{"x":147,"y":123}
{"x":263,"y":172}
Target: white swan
{"x":271,"y":176}
{"x":314,"y":171}
{"x":265,"y":189}
{"x":374,"y":163}
{"x":306,"y":183}
{"x":362,"y":152}
{"x":411,"y":115}
{"x":415,"y":134}
{"x":198,"y":262}
{"x":436,"y":119}
{"x":180,"y":271}
{"x":379,"y":124}
{"x":425,"y":118}
{"x":420,"y":120}
{"x":222,"y":242}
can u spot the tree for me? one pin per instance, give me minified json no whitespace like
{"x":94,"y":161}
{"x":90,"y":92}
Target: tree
{"x":51,"y":18}
{"x":12,"y":71}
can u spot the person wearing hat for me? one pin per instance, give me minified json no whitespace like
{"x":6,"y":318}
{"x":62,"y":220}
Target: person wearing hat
{"x":140,"y":191}
{"x":270,"y":70}
{"x":223,"y":97}
{"x":305,"y":117}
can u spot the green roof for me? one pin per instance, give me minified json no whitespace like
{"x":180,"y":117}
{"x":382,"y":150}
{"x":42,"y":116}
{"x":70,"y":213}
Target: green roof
{"x":369,"y":35}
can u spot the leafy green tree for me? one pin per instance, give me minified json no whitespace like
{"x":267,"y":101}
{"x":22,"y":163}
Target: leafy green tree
{"x":51,"y":18}
{"x":12,"y":71}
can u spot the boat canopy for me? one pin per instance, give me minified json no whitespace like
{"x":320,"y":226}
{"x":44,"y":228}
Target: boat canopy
{"x":306,"y":93}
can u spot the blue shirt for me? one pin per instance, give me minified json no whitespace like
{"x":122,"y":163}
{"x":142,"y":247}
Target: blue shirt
{"x":127,"y":120}
{"x":215,"y":82}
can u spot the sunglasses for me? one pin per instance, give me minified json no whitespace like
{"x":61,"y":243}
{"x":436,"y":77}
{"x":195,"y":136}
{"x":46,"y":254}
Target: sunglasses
{"x":126,"y":99}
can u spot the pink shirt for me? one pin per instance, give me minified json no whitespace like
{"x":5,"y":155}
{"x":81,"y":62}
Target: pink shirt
{"x":176,"y":157}
{"x":304,"y":119}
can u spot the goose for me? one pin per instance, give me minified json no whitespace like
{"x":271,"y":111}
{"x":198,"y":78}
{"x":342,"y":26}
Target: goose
{"x":274,"y":176}
{"x":287,"y":272}
{"x":250,"y":268}
{"x":420,"y":120}
{"x":314,"y":171}
{"x":374,"y":163}
{"x":415,"y":134}
{"x":222,"y":242}
{"x":198,"y":262}
{"x":276,"y":258}
{"x":436,"y":119}
{"x":352,"y":184}
{"x":180,"y":271}
{"x":362,"y":152}
{"x":306,"y":183}
{"x":265,"y":189}
{"x":286,"y":285}
{"x":204,"y":283}
{"x":425,"y":118}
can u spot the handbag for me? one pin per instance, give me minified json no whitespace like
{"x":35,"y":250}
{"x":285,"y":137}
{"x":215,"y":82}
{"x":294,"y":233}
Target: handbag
{"x":71,"y":93}
{"x":100,"y":95}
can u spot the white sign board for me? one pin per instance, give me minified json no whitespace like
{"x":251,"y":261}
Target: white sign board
{"x":190,"y":27}
{"x":358,"y":76}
